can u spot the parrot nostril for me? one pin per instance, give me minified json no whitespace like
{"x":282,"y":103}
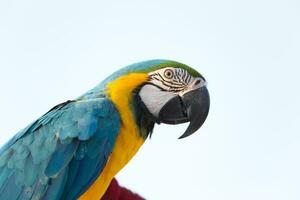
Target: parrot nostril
{"x":197,"y":82}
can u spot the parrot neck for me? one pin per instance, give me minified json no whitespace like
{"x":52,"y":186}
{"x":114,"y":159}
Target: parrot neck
{"x":129,"y":139}
{"x":144,"y":119}
{"x":124,"y":93}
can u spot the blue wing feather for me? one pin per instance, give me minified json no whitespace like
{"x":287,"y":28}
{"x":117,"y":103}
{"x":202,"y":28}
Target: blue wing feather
{"x":62,"y":156}
{"x":10,"y":189}
{"x":56,"y":188}
{"x":59,"y":155}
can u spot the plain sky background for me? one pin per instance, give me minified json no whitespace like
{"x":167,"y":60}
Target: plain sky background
{"x":249,"y":51}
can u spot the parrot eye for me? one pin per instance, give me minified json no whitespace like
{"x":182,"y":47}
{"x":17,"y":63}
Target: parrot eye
{"x":169,"y":73}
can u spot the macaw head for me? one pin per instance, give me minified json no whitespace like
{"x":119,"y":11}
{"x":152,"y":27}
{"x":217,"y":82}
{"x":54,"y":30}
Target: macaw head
{"x":166,"y":92}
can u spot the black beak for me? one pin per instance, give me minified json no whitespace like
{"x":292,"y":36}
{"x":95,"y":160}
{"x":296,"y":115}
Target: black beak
{"x":193,"y":106}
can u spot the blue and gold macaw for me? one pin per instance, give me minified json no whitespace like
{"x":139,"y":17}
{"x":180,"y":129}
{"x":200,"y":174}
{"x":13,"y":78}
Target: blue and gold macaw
{"x":75,"y":149}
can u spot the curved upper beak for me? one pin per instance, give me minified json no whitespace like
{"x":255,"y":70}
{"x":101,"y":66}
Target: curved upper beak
{"x":192,"y":107}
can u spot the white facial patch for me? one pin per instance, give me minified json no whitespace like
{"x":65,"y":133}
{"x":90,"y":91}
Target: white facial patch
{"x":165,"y":84}
{"x":156,"y":100}
{"x":171,"y":79}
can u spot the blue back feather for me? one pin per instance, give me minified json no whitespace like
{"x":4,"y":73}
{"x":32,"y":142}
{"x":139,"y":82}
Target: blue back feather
{"x":43,"y":161}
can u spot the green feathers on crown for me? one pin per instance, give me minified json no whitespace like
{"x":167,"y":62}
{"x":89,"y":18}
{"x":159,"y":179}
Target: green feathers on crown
{"x":174,"y":64}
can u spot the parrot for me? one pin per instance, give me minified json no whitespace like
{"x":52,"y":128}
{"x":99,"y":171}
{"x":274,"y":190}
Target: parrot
{"x":75,"y":149}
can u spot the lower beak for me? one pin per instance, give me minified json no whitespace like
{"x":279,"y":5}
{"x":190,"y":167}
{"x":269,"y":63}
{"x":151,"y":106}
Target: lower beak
{"x":192,"y":107}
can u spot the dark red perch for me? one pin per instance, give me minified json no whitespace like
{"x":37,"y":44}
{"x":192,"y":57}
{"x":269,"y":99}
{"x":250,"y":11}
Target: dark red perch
{"x":117,"y":192}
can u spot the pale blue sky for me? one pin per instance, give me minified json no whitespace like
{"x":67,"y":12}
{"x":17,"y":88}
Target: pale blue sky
{"x":247,"y":50}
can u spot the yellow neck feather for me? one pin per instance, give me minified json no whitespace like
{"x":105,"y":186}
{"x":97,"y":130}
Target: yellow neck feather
{"x":120,"y":92}
{"x":128,"y":140}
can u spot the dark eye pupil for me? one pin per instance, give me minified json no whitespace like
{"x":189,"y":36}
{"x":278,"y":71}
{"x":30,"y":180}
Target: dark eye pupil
{"x":168,"y":74}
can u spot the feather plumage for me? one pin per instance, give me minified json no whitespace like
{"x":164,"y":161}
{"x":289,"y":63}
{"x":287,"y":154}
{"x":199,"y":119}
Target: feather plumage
{"x":43,"y":160}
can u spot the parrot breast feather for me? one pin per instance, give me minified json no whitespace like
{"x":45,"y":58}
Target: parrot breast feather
{"x":43,"y":161}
